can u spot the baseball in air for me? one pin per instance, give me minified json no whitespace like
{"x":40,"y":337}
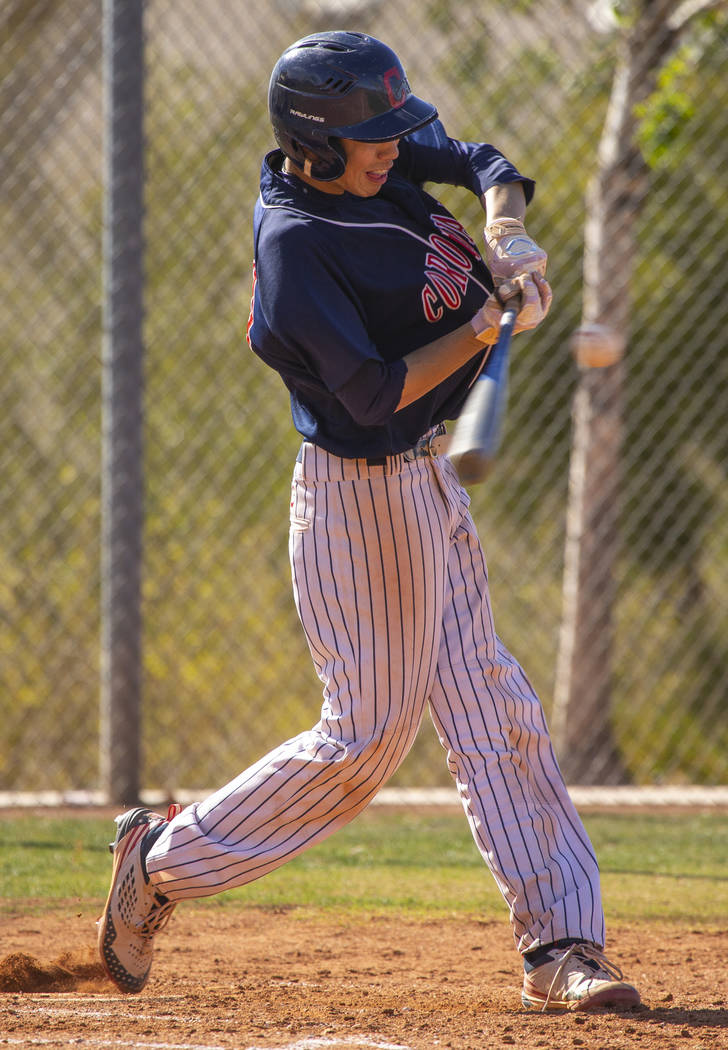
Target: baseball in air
{"x":596,"y":346}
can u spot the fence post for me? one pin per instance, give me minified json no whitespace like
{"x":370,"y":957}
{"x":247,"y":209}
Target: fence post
{"x":122,"y":397}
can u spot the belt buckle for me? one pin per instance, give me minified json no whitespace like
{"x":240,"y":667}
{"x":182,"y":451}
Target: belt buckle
{"x":437,"y":441}
{"x":425,"y":446}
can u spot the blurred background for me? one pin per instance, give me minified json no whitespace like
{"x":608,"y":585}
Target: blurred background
{"x":631,"y":204}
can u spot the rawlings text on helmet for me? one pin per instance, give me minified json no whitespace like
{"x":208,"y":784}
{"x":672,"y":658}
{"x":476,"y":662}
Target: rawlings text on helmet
{"x":305,"y":116}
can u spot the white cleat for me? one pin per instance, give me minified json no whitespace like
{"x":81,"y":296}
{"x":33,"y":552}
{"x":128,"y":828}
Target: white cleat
{"x":577,"y":978}
{"x":134,"y":911}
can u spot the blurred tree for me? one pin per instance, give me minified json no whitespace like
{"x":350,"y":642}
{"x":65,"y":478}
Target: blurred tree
{"x":648,"y":33}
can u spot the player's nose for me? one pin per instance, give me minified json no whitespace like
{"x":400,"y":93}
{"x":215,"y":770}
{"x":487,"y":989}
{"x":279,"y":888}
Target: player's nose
{"x":390,"y":149}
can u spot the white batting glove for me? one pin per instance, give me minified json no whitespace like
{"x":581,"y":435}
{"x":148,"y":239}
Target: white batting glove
{"x":510,"y":251}
{"x":535,"y":302}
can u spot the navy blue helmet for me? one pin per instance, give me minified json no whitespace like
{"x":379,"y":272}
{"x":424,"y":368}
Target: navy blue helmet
{"x":334,"y":85}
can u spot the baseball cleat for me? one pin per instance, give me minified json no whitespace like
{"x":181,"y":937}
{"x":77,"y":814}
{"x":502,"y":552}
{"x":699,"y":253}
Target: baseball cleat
{"x":134,"y":911}
{"x":577,"y":978}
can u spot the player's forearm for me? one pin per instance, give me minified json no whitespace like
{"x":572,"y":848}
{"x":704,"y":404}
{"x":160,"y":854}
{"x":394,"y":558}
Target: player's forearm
{"x":507,"y":199}
{"x":429,"y":365}
{"x":509,"y":250}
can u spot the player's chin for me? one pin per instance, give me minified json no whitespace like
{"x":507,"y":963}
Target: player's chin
{"x":370,"y":185}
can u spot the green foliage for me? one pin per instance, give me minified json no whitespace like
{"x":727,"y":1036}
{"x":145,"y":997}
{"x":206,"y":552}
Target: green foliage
{"x":664,"y":116}
{"x":668,"y":131}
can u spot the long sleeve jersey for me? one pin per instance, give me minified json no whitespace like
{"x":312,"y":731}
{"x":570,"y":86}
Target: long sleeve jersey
{"x":346,"y":286}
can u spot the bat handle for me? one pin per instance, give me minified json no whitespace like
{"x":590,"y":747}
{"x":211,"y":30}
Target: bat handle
{"x":507,"y":322}
{"x":511,"y":292}
{"x":508,"y":317}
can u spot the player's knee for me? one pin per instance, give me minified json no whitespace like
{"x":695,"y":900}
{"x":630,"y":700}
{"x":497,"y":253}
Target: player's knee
{"x":377,"y":755}
{"x":357,"y":755}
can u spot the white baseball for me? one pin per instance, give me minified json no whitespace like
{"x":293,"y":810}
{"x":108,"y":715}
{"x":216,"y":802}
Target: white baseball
{"x":597,"y":345}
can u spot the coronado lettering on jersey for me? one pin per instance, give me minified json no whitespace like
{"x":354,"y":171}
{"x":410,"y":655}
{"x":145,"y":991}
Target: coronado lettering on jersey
{"x":447,"y":267}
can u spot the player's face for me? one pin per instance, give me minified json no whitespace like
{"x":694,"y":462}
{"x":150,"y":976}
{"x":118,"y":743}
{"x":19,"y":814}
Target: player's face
{"x":367,"y":167}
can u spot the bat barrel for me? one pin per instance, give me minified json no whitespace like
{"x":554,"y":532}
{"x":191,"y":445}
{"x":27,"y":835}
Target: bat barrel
{"x":472,"y":465}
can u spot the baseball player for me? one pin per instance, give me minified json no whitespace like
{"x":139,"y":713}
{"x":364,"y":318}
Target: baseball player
{"x":377,"y":309}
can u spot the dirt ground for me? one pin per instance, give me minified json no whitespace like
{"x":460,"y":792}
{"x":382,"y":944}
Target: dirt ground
{"x":259,"y":979}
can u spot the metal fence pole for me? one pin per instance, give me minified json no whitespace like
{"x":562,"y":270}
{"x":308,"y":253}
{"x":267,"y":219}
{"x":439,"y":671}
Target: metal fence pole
{"x":122,"y":391}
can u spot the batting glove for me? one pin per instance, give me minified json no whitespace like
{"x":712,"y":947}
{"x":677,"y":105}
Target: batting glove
{"x":510,"y":251}
{"x":535,"y":302}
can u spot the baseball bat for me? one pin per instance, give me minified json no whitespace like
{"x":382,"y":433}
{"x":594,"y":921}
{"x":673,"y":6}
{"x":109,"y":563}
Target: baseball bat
{"x":477,"y":433}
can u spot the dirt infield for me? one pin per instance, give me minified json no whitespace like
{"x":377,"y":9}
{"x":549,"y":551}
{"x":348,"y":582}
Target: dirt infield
{"x":225,"y":977}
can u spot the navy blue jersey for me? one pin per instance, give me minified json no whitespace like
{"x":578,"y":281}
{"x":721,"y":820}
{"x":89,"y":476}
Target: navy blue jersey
{"x":346,"y":286}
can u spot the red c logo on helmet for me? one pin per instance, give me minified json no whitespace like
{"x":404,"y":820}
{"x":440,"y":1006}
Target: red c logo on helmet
{"x":395,"y":86}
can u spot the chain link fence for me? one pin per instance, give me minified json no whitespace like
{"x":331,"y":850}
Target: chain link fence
{"x":225,"y":671}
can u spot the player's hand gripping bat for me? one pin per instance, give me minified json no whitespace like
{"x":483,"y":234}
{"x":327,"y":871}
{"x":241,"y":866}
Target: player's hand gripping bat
{"x":477,"y":433}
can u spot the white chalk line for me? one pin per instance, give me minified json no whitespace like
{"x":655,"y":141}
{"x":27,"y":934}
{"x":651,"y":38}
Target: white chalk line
{"x":82,"y":1007}
{"x":87,"y":1041}
{"x":78,"y":1007}
{"x":75,"y":997}
{"x":314,"y":1042}
{"x":119,"y":1014}
{"x":307,"y":1043}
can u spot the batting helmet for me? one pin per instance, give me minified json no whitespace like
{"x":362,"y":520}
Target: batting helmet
{"x":329,"y":86}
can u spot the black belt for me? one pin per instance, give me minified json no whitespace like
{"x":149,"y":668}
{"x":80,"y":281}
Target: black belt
{"x":433,"y":443}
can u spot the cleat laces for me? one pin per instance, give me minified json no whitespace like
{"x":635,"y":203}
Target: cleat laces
{"x":157,"y":918}
{"x":162,"y":908}
{"x":592,"y":959}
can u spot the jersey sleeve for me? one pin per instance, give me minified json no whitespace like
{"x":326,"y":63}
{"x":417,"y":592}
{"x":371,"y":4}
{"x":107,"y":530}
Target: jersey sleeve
{"x":430,"y":155}
{"x":305,"y":323}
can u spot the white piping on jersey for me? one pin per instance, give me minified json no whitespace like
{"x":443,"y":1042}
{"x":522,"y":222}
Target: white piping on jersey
{"x":369,"y":225}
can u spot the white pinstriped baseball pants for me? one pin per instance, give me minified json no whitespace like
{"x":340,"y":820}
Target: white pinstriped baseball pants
{"x":391,"y":587}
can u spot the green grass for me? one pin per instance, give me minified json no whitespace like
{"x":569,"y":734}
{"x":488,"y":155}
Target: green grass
{"x":654,"y":867}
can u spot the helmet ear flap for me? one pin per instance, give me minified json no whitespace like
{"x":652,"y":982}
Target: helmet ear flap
{"x":330,"y":161}
{"x":293,"y":149}
{"x":325,"y":163}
